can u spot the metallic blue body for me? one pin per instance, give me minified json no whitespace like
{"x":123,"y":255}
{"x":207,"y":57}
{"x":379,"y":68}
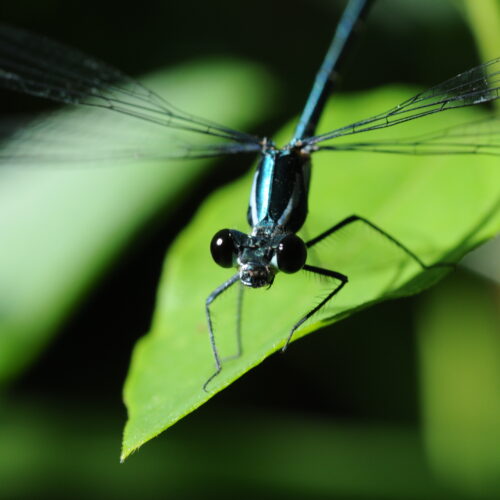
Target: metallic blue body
{"x":326,"y":76}
{"x":278,"y":198}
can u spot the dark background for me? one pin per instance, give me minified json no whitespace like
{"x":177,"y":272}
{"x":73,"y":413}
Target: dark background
{"x":418,"y":42}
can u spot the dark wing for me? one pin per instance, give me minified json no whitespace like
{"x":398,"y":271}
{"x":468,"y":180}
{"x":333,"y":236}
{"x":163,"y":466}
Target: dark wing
{"x":478,"y":137}
{"x":475,"y":86}
{"x":37,"y":66}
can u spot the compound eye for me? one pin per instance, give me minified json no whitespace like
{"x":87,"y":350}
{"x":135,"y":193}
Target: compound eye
{"x":291,"y":254}
{"x":222,"y":248}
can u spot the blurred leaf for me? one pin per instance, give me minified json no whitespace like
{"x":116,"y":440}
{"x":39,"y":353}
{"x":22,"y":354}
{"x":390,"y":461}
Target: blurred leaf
{"x":440,"y":207}
{"x":48,"y":452}
{"x":459,"y":341}
{"x":484,"y":19}
{"x":62,"y":226}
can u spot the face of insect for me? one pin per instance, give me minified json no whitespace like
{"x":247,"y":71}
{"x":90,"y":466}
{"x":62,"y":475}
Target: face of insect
{"x":258,"y":256}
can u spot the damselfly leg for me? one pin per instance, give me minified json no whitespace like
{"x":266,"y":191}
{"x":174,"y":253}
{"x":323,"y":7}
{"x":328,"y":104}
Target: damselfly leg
{"x":342,"y":278}
{"x":332,"y":274}
{"x":218,"y":291}
{"x":322,"y":272}
{"x":239,"y":308}
{"x":356,"y":218}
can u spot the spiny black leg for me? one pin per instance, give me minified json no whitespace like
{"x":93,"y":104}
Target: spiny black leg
{"x":220,"y":289}
{"x":323,"y":272}
{"x":239,"y":344}
{"x":355,"y":218}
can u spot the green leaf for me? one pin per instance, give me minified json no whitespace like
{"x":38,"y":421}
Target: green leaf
{"x":440,"y":207}
{"x":62,"y":226}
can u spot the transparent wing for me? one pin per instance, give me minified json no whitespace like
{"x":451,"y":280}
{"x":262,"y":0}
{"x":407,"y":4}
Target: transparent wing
{"x":34,"y":65}
{"x":478,"y":137}
{"x":475,"y":86}
{"x":78,"y":136}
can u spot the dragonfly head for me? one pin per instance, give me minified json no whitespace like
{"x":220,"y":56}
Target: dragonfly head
{"x":259,"y":256}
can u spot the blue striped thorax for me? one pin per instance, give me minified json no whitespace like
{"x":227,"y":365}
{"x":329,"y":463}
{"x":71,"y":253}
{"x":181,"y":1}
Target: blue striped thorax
{"x":279,"y":193}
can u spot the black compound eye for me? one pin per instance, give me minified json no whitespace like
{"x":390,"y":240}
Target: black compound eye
{"x":222,"y":248}
{"x":291,"y":254}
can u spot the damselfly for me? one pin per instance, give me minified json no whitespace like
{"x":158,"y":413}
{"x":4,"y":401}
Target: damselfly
{"x":278,"y":201}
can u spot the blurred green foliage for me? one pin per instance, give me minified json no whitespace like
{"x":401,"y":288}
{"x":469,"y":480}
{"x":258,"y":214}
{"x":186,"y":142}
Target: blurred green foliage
{"x":273,"y":455}
{"x":459,"y":347}
{"x":62,"y":226}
